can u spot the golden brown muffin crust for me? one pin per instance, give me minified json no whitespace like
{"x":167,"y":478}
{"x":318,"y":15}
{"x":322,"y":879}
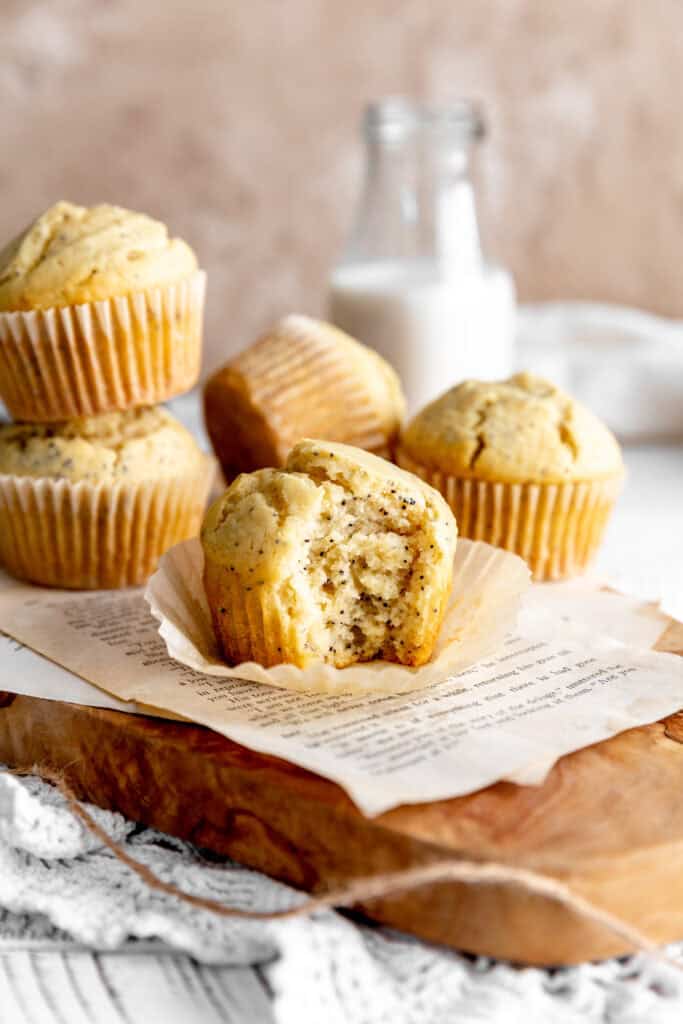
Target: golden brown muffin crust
{"x":303,"y":377}
{"x":132,"y":446}
{"x":74,"y":254}
{"x":519,"y":430}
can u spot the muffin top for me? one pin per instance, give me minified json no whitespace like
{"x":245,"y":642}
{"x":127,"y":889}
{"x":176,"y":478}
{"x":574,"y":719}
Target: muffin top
{"x":238,"y":528}
{"x":131,"y":446}
{"x":75,"y":254}
{"x":519,"y":430}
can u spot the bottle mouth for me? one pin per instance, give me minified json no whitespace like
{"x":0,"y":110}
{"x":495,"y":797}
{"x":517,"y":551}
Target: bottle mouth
{"x":396,"y":117}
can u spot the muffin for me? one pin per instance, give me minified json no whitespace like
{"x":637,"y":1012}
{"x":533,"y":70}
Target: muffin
{"x":304,"y":378}
{"x":523,"y":466}
{"x":340,"y":557}
{"x":99,"y":310}
{"x":94,"y":502}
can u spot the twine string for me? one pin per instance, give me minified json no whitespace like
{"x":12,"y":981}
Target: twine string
{"x":380,"y":886}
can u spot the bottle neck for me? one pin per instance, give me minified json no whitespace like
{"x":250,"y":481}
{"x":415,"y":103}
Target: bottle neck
{"x":417,"y":203}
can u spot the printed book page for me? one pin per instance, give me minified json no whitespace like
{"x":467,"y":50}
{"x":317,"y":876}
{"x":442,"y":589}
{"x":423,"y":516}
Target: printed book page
{"x":553,"y":686}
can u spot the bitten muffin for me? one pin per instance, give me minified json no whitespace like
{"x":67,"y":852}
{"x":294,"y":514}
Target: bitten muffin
{"x":304,"y":378}
{"x":340,"y":557}
{"x":94,"y":502}
{"x":522,"y":465}
{"x":99,"y":310}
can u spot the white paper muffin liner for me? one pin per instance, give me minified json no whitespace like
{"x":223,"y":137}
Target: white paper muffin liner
{"x":92,"y":536}
{"x":299,"y":381}
{"x":556,"y":528}
{"x":311,"y":387}
{"x":482,"y":609}
{"x":82,"y":360}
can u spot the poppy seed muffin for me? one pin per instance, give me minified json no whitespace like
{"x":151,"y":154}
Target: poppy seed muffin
{"x":339,"y":557}
{"x":73,"y":254}
{"x":93,"y":503}
{"x":132,"y":446}
{"x":522,"y":465}
{"x":303,"y":378}
{"x":100,"y":310}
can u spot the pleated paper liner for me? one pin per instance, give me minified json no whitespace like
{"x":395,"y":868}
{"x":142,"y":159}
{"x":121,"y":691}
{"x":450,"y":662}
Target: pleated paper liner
{"x":556,"y":528}
{"x":92,"y":536}
{"x":255,"y":630}
{"x":137,"y":349}
{"x":482,"y":608}
{"x":299,"y":381}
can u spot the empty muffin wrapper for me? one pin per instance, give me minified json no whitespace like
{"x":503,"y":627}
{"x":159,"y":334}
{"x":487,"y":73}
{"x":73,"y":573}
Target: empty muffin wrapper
{"x":482,"y":608}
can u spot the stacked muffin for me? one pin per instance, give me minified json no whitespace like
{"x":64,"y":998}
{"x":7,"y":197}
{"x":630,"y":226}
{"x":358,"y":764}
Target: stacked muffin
{"x":100,"y":319}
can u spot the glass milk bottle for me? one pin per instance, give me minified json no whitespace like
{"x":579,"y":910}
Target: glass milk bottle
{"x":413,"y":282}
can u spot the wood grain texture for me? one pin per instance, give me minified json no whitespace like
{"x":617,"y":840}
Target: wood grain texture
{"x":608,"y":820}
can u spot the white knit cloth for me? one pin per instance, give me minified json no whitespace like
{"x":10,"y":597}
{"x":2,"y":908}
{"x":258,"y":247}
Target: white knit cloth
{"x":58,"y":884}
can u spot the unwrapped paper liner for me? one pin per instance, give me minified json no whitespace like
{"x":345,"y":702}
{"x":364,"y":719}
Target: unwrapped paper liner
{"x":482,"y":609}
{"x":97,"y":357}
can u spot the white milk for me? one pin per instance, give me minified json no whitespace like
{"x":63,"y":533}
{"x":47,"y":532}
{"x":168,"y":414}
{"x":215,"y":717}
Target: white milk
{"x":434,"y":331}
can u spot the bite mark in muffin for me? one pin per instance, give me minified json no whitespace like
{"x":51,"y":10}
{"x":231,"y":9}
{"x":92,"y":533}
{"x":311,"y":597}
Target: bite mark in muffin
{"x":339,"y":558}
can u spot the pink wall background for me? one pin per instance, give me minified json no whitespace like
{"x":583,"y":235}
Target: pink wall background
{"x":236,"y":122}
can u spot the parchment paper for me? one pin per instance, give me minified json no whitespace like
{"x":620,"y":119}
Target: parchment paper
{"x":482,"y":608}
{"x":22,"y":671}
{"x":556,"y":685}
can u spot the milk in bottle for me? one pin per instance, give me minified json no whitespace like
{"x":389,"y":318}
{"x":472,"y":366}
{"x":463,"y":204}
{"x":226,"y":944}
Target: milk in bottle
{"x":413,"y":282}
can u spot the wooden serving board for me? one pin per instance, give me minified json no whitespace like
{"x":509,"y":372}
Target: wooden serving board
{"x":608,"y":821}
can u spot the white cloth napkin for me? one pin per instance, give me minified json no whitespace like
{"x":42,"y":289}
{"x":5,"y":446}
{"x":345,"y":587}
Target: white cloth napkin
{"x":624,"y":364}
{"x":627,"y":366}
{"x":58,"y":883}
